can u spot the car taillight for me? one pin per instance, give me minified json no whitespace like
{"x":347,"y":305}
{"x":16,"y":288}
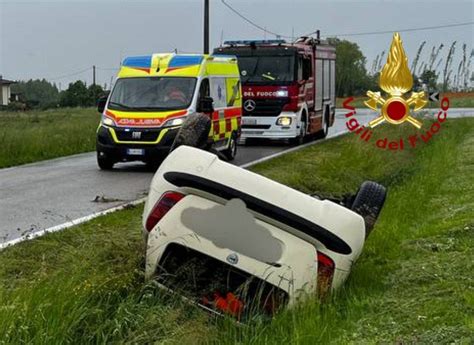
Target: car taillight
{"x":166,"y":202}
{"x":325,"y":274}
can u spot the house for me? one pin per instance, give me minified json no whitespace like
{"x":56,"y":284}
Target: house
{"x":5,"y":93}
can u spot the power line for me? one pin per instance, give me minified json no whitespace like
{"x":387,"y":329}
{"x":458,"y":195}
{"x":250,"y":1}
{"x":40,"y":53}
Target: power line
{"x":404,"y":30}
{"x":251,"y":22}
{"x":108,"y":68}
{"x":70,"y":74}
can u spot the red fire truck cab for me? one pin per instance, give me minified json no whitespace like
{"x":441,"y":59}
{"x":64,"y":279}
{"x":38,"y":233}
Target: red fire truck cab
{"x":288,"y":88}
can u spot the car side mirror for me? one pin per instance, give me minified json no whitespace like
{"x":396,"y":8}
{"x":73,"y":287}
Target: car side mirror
{"x":205,"y":105}
{"x":101,"y":102}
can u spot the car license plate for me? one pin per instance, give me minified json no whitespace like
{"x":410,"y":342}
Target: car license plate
{"x":135,"y":152}
{"x":249,"y":121}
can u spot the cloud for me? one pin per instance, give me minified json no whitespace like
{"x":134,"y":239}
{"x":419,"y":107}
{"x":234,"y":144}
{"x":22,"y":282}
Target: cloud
{"x":233,"y":227}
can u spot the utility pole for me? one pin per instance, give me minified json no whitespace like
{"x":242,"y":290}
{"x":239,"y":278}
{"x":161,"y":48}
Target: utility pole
{"x":93,"y":75}
{"x":206,"y":26}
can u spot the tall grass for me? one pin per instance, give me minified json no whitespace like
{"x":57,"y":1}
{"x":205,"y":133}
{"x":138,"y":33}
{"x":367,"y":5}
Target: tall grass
{"x":37,"y":135}
{"x":411,"y":285}
{"x":451,"y":79}
{"x":412,"y":282}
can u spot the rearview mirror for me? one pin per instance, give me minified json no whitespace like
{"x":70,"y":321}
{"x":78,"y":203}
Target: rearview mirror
{"x":205,"y":105}
{"x":101,"y":104}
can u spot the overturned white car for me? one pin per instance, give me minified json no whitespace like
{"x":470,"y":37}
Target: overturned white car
{"x":234,"y":242}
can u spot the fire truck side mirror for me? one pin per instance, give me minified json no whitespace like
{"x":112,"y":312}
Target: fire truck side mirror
{"x":306,"y":69}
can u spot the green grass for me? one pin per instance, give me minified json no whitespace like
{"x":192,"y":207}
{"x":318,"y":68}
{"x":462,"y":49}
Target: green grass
{"x":457,"y":100}
{"x":413,"y":283}
{"x":37,"y":135}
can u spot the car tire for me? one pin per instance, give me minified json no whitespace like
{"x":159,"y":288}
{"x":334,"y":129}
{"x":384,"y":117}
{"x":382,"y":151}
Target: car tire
{"x":193,"y":132}
{"x":104,"y":163}
{"x":368,"y":202}
{"x":231,"y":151}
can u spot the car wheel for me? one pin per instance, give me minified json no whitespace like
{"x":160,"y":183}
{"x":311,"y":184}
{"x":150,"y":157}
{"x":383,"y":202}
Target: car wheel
{"x":193,"y":132}
{"x":104,"y":162}
{"x":368,"y":202}
{"x":231,"y":151}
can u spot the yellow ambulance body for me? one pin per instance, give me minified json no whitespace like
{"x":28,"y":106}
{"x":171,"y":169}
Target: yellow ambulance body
{"x":152,"y":97}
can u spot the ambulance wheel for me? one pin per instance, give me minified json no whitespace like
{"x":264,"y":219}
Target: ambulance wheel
{"x":194,"y":132}
{"x":231,"y":151}
{"x":104,"y":162}
{"x":368,"y":202}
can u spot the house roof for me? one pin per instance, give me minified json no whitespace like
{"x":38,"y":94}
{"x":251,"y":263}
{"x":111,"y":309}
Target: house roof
{"x":5,"y":81}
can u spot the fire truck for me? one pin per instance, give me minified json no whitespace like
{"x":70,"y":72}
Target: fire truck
{"x":288,"y":89}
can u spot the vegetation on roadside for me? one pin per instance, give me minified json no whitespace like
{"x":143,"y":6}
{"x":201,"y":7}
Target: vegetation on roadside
{"x":32,"y":136}
{"x":456,"y":100}
{"x":413,"y":283}
{"x":41,"y":94}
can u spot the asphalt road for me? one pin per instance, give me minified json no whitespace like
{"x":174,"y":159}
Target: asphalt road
{"x":41,"y":195}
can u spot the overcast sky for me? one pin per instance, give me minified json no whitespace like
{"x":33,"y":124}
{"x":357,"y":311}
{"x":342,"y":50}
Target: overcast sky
{"x":57,"y":40}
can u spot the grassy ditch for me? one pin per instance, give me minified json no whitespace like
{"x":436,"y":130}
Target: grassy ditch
{"x":413,"y":283}
{"x":39,"y":135}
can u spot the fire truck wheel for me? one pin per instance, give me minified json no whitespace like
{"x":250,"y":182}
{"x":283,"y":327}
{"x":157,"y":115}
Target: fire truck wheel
{"x":193,"y":132}
{"x":104,"y":163}
{"x":368,"y":202}
{"x":231,"y":151}
{"x":300,"y":139}
{"x":325,"y":126}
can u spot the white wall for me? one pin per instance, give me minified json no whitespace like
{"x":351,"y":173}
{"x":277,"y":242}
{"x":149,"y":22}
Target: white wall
{"x":5,"y":96}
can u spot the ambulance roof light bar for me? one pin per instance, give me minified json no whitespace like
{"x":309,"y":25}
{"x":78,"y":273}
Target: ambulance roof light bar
{"x":253,"y":42}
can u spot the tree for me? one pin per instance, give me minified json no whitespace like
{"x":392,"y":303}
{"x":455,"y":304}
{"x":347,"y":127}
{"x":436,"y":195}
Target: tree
{"x":37,"y":93}
{"x":76,"y":95}
{"x":95,"y":92}
{"x":351,"y":74}
{"x":428,"y":77}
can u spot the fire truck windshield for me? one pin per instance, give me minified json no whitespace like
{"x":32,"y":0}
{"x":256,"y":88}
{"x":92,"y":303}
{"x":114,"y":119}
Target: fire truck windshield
{"x":267,"y":69}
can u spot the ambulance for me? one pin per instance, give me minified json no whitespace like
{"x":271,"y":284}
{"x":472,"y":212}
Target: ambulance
{"x":152,"y":97}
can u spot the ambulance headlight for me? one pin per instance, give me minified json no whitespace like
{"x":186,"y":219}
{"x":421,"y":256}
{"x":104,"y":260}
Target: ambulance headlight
{"x":107,"y":121}
{"x":284,"y":121}
{"x":282,"y":93}
{"x":174,"y":122}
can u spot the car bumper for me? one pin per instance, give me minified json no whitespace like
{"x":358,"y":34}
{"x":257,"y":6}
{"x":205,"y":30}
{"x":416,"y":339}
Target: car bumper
{"x":108,"y":147}
{"x":266,"y":127}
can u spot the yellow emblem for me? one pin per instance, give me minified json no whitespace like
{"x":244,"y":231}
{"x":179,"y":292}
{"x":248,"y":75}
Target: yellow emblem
{"x":396,"y":80}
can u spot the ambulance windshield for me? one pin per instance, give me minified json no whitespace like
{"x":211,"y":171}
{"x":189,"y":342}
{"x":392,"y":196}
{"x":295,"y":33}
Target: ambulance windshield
{"x":152,"y":93}
{"x":266,"y":69}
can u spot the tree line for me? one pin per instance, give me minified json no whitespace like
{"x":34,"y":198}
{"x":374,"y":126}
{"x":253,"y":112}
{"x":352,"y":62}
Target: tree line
{"x":352,"y":77}
{"x":41,"y":94}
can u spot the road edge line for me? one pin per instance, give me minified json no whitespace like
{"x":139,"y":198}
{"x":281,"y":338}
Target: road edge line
{"x":296,"y":148}
{"x":71,"y":223}
{"x":92,"y":216}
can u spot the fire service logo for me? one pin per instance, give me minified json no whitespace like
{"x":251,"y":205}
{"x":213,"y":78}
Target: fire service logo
{"x":396,"y":108}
